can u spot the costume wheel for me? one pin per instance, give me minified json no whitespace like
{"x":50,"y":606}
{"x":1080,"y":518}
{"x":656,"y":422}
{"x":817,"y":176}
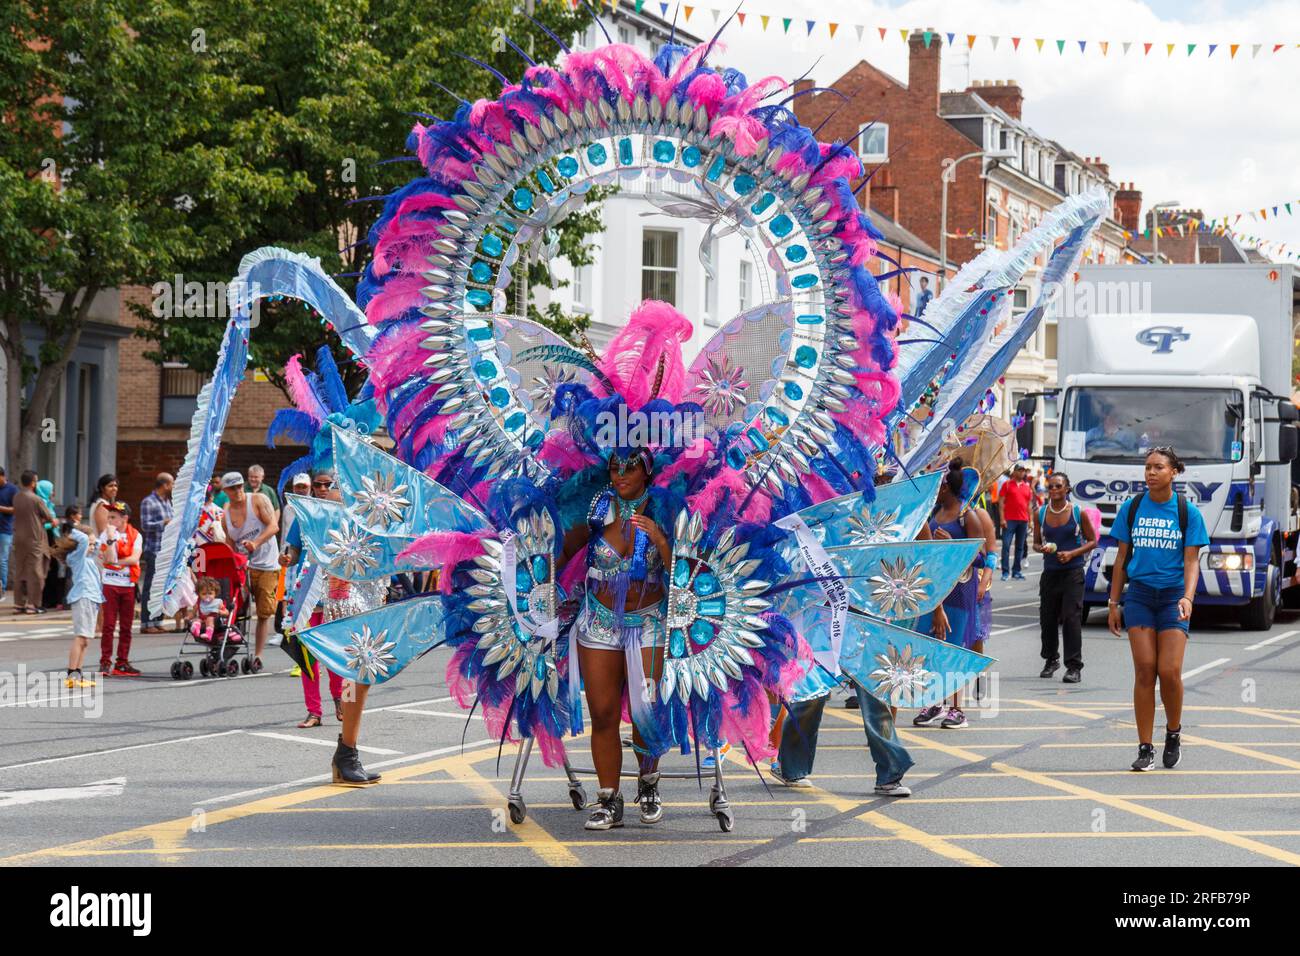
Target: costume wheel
{"x":726,"y":822}
{"x":203,"y":667}
{"x":578,"y":796}
{"x":518,"y":811}
{"x":255,"y":666}
{"x":176,"y":670}
{"x":187,"y":670}
{"x":245,"y":665}
{"x":714,"y":796}
{"x":232,"y":668}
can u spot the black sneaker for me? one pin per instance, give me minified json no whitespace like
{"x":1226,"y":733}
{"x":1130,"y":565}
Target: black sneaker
{"x":1050,"y":668}
{"x":1072,"y":676}
{"x":608,"y":812}
{"x":1173,"y":748}
{"x":1146,"y":758}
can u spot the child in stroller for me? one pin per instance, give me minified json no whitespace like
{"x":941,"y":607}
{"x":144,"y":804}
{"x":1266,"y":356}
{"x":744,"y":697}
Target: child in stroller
{"x":212,"y":612}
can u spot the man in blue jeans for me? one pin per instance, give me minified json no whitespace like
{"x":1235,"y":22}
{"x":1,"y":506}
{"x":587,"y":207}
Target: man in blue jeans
{"x":8,"y":491}
{"x":799,"y":744}
{"x":1015,"y":498}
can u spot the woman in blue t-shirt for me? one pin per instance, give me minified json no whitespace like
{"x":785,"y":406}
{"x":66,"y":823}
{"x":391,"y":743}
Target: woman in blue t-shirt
{"x":1158,"y":556}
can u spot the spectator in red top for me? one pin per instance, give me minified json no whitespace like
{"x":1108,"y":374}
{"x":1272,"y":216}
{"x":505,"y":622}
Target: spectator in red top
{"x":1016,"y":495}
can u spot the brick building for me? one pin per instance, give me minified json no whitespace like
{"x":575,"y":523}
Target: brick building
{"x":1007,"y":177}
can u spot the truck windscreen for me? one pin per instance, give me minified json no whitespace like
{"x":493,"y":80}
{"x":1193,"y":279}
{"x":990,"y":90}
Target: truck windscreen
{"x":1121,"y":423}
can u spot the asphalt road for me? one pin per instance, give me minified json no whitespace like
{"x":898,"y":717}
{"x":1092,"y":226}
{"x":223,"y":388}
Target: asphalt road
{"x":213,"y":772}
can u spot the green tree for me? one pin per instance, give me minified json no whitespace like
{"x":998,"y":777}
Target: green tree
{"x":335,"y":84}
{"x":112,"y":172}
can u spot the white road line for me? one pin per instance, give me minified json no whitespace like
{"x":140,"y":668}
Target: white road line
{"x":1205,"y":667}
{"x":322,"y":777}
{"x":434,"y":713}
{"x":1273,"y":640}
{"x":100,"y":788}
{"x":1019,"y":627}
{"x":321,"y":743}
{"x":1011,"y":607}
{"x":409,"y":703}
{"x":118,"y":750}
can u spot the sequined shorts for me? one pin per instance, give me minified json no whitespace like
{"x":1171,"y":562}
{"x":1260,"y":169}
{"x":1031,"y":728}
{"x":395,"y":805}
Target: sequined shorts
{"x":598,"y":629}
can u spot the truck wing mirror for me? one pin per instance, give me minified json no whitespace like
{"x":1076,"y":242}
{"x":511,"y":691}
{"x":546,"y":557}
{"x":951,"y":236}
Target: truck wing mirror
{"x":1288,"y":441}
{"x":1027,"y":407}
{"x":1286,"y":412}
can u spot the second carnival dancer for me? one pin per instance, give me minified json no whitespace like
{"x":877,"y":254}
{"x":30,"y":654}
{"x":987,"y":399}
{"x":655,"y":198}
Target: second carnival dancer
{"x":620,"y":629}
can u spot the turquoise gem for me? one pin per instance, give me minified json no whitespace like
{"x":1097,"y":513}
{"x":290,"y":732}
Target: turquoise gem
{"x":625,"y":151}
{"x":776,"y":416}
{"x":664,"y":151}
{"x":596,"y":154}
{"x":484,"y":332}
{"x":706,"y":584}
{"x":735,"y":458}
{"x":539,"y":668}
{"x":691,"y":156}
{"x":793,"y":391}
{"x":677,"y":643}
{"x":762,"y":204}
{"x":522,"y":199}
{"x":796,"y":253}
{"x":805,"y":356}
{"x":516,"y":421}
{"x":491,"y":245}
{"x":521,"y":602}
{"x":539,"y":568}
{"x":809,"y":319}
{"x":504,"y":223}
{"x":758,"y":438}
{"x":681,"y":574}
{"x":702,"y":632}
{"x":744,"y":183}
{"x":485,"y":370}
{"x":545,"y":181}
{"x":781,"y":225}
{"x":499,"y":397}
{"x":567,"y":166}
{"x":480,"y":272}
{"x":713,"y":607}
{"x":534,"y":440}
{"x":805,"y":281}
{"x":716,"y":168}
{"x":479,"y":298}
{"x":523,"y":583}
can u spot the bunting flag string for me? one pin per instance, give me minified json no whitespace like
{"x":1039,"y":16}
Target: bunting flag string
{"x":1186,"y":50}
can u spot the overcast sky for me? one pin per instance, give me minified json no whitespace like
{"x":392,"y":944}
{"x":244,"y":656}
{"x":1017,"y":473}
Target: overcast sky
{"x":1215,"y":133}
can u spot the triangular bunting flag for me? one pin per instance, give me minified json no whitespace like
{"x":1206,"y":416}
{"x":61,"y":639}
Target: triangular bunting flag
{"x":1126,"y":46}
{"x":970,"y":41}
{"x":811,"y":24}
{"x":1169,"y":49}
{"x":1288,"y":209}
{"x":1040,"y":45}
{"x":1254,"y":50}
{"x":833,"y":28}
{"x":1060,"y":47}
{"x":787,"y":21}
{"x":1015,"y":43}
{"x":950,"y":36}
{"x":1213,"y":47}
{"x":903,"y":33}
{"x":927,"y":36}
{"x":716,"y":13}
{"x":1278,"y":46}
{"x":1232,"y":50}
{"x":1104,"y":46}
{"x":639,"y":5}
{"x":1275,"y":212}
{"x":882,"y":33}
{"x":1263,"y":214}
{"x":663,"y":9}
{"x":741,"y":18}
{"x":689,"y":11}
{"x":1146,"y":48}
{"x":764,"y":17}
{"x":860,"y":27}
{"x":1082,"y":44}
{"x":994,"y":41}
{"x":1190,"y":48}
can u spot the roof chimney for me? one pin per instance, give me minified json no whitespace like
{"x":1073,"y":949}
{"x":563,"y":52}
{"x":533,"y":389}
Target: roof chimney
{"x":923,"y":69}
{"x":1005,"y":95}
{"x":1128,"y":207}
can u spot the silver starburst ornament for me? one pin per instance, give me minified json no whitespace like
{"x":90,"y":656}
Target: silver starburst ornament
{"x":868,"y":527}
{"x":350,"y":553}
{"x":899,"y":590}
{"x":721,"y":386}
{"x":368,"y":654}
{"x":547,"y":383}
{"x":900,"y":677}
{"x":380,"y":501}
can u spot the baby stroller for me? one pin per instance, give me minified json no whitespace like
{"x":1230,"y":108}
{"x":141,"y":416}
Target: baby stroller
{"x":226,"y":653}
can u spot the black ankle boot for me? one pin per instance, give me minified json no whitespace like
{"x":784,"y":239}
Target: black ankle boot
{"x":348,"y":769}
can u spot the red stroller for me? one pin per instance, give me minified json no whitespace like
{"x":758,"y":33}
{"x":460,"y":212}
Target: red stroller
{"x":226,"y":654}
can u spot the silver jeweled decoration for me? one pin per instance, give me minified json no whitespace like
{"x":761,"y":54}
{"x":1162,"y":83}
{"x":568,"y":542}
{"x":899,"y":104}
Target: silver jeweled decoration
{"x":870,"y":527}
{"x":900,"y":676}
{"x":899,"y":590}
{"x":368,"y":654}
{"x":379,"y":502}
{"x":350,"y":553}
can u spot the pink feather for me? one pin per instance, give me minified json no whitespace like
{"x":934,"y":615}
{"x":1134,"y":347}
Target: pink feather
{"x":690,"y":463}
{"x":654,"y":331}
{"x":817,"y":488}
{"x":304,"y":399}
{"x":560,"y":451}
{"x":443,"y":550}
{"x":708,"y":498}
{"x":753,"y":725}
{"x":398,"y":294}
{"x":574,"y":570}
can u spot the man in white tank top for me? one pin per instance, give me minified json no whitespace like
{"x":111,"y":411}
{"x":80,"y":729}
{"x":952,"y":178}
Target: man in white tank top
{"x":251,"y":525}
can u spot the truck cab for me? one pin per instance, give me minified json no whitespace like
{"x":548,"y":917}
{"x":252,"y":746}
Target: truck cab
{"x":1197,"y":380}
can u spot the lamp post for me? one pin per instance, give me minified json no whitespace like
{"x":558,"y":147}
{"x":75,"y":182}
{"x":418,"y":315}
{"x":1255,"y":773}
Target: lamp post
{"x":949,"y":175}
{"x":1155,"y":226}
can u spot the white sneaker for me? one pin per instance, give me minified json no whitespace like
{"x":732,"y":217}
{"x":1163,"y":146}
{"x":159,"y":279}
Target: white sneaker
{"x":802,"y":783}
{"x":895,"y":789}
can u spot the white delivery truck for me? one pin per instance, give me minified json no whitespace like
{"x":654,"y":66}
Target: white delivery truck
{"x":1197,"y":357}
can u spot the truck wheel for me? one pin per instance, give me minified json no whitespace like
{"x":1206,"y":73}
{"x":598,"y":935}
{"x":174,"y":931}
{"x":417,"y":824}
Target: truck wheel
{"x":1258,"y":614}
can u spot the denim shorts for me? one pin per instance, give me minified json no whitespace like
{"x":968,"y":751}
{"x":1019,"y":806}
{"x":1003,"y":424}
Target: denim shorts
{"x":1156,"y":608}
